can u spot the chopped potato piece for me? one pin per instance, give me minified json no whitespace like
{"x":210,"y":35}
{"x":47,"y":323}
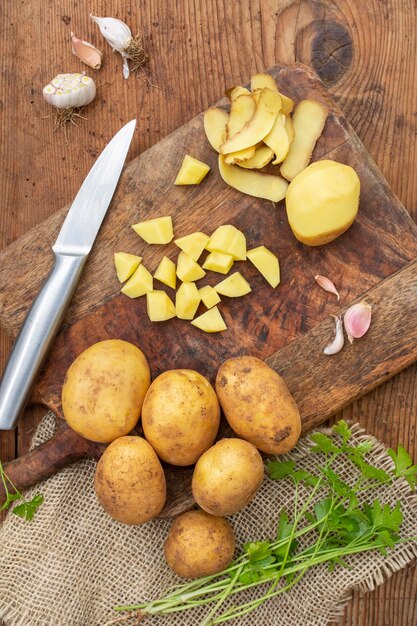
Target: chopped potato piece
{"x":267,"y":263}
{"x":125,"y":264}
{"x":211,"y":321}
{"x":192,"y":171}
{"x":252,"y":182}
{"x":187,"y":269}
{"x":289,"y":128}
{"x":235,"y":92}
{"x":158,"y":230}
{"x":218,"y":262}
{"x":209,"y":296}
{"x":259,"y":125}
{"x":323,"y":202}
{"x":233,"y":286}
{"x":241,"y":111}
{"x":193,"y":244}
{"x":165,"y":272}
{"x":139,"y":283}
{"x":260,"y":81}
{"x":187,"y":300}
{"x":160,"y":306}
{"x":277,"y":139}
{"x":262,"y":157}
{"x":308,"y":121}
{"x":215,"y":121}
{"x":230,"y":240}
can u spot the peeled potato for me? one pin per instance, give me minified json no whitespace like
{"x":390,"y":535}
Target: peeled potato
{"x":259,"y":125}
{"x":252,"y":182}
{"x":199,"y":544}
{"x":258,"y":405}
{"x":322,"y":202}
{"x":308,"y":122}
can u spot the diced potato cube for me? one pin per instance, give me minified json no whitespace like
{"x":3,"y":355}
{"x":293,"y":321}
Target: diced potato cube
{"x":218,"y":262}
{"x":126,"y":264}
{"x":267,"y":263}
{"x":211,"y":321}
{"x":192,"y":171}
{"x":139,"y":283}
{"x":158,"y":230}
{"x":165,"y":272}
{"x":186,"y":301}
{"x":160,"y":306}
{"x":187,"y":269}
{"x":230,"y":240}
{"x":233,"y":286}
{"x":209,"y":296}
{"x":193,"y":244}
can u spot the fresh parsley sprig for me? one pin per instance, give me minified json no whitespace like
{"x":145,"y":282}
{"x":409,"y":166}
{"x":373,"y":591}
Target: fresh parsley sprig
{"x":327,"y":523}
{"x":27,"y":508}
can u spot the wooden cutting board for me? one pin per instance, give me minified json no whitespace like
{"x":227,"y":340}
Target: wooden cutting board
{"x":289,"y":326}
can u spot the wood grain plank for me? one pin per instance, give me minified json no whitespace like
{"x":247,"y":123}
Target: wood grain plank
{"x":376,"y":91}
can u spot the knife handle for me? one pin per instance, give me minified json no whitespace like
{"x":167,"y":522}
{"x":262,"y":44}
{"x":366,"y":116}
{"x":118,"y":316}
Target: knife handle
{"x":35,"y":337}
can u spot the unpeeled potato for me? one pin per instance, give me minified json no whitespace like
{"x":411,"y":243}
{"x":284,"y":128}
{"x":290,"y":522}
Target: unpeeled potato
{"x":104,"y":389}
{"x":199,"y":544}
{"x":258,"y":405}
{"x":227,"y":476}
{"x":180,"y":416}
{"x":130,"y":482}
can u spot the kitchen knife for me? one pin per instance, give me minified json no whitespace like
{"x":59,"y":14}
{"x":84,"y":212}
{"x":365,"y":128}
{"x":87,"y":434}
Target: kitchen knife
{"x":71,"y":249}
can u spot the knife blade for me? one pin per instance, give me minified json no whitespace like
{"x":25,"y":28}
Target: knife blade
{"x":71,"y":250}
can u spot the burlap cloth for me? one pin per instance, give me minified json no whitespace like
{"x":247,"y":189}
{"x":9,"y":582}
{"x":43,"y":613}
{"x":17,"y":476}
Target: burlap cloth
{"x":72,"y":563}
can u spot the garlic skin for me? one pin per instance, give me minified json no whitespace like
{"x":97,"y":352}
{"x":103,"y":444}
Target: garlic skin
{"x":117,"y":34}
{"x":70,"y":91}
{"x":338,"y":342}
{"x":326,"y":284}
{"x":357,"y":320}
{"x":86,"y":52}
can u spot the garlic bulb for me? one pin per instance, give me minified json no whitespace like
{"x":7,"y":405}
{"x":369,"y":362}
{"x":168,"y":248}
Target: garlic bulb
{"x":70,"y":91}
{"x":86,"y":52}
{"x":117,"y":34}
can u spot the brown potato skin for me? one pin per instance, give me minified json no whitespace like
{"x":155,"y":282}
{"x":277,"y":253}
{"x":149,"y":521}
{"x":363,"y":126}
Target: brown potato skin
{"x":258,"y":405}
{"x":227,"y":476}
{"x":104,"y":389}
{"x":180,"y":416}
{"x":199,"y":544}
{"x":130,"y":482}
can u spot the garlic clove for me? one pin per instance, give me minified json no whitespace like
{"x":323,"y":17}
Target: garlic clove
{"x":70,"y":91}
{"x":338,"y":342}
{"x":326,"y":284}
{"x":86,"y":52}
{"x":116,"y":32}
{"x":357,"y":320}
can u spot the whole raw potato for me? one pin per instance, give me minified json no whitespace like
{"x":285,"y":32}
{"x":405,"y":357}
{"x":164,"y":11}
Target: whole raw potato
{"x":104,"y":389}
{"x":258,"y":405}
{"x":130,"y":482}
{"x":322,"y":202}
{"x":227,"y":476}
{"x":199,"y":544}
{"x":180,"y":416}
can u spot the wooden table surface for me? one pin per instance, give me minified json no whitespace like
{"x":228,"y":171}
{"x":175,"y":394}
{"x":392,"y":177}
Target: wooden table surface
{"x":364,"y":52}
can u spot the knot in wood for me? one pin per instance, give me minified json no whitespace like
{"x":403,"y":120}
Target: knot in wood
{"x":331,"y":50}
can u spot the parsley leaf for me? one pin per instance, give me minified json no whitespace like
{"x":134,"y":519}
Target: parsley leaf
{"x":404,"y":466}
{"x":280,"y":469}
{"x":342,"y":429}
{"x":27,"y":510}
